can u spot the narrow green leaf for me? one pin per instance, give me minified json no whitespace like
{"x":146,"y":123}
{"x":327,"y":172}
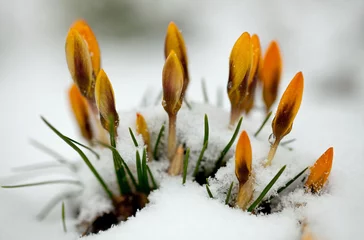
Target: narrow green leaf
{"x":64,"y":218}
{"x":145,"y":172}
{"x":288,"y":141}
{"x":155,"y":186}
{"x":266,"y":190}
{"x":204,"y":91}
{"x":228,"y":146}
{"x":281,"y":189}
{"x":227,"y":200}
{"x":185,"y":165}
{"x":83,"y":156}
{"x":38,"y":166}
{"x":160,"y":134}
{"x":263,"y":124}
{"x":139,"y":171}
{"x":44,"y":183}
{"x":84,"y":146}
{"x":49,"y":151}
{"x":204,"y":146}
{"x":209,"y":191}
{"x":133,"y":137}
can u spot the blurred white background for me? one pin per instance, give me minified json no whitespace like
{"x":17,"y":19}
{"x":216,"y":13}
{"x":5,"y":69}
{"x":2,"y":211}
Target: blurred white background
{"x":324,"y":39}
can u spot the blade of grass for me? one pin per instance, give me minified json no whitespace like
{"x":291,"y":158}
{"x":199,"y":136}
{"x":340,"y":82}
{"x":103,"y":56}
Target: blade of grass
{"x":83,"y":156}
{"x":155,"y":186}
{"x":204,"y":146}
{"x":266,"y":189}
{"x":160,"y":134}
{"x":263,"y":124}
{"x":64,"y":218}
{"x":185,"y":165}
{"x":84,"y":146}
{"x":204,"y":91}
{"x":227,"y":200}
{"x":44,"y":183}
{"x":133,"y":137}
{"x":145,"y":172}
{"x":49,"y":151}
{"x":139,"y":171}
{"x":208,"y":189}
{"x":228,"y":146}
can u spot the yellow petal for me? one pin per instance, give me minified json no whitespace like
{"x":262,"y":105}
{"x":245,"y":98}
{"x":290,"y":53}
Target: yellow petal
{"x":288,"y":107}
{"x":80,"y":111}
{"x":79,"y":63}
{"x":320,"y":171}
{"x":174,"y":42}
{"x":86,"y":32}
{"x":172,"y":81}
{"x":105,"y":101}
{"x":271,"y":74}
{"x":142,"y":128}
{"x":243,"y":158}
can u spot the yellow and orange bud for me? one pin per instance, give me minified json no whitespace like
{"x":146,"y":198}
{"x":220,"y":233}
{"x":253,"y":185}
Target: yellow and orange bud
{"x":288,"y":107}
{"x":320,"y":171}
{"x":271,"y":72}
{"x":243,"y":171}
{"x":239,"y":70}
{"x":142,"y":129}
{"x":81,"y":112}
{"x":253,"y":75}
{"x":172,"y":84}
{"x":174,"y":42}
{"x":105,"y":101}
{"x":176,"y":165}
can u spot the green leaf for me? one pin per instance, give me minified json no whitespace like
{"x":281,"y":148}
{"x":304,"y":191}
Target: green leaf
{"x":133,"y":137}
{"x":84,"y":146}
{"x":227,"y":200}
{"x":64,"y":218}
{"x":209,"y":191}
{"x":204,"y":146}
{"x":155,"y":186}
{"x":145,"y":172}
{"x":155,"y":152}
{"x":228,"y":146}
{"x":83,"y":156}
{"x":139,"y":171}
{"x":44,"y":183}
{"x":288,"y":141}
{"x":263,"y":124}
{"x":185,"y":165}
{"x":266,"y":189}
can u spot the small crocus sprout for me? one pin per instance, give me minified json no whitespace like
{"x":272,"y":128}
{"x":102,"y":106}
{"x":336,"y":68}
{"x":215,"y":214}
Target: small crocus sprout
{"x":142,"y":129}
{"x":81,"y":112}
{"x":243,"y":170}
{"x":105,"y":101}
{"x":287,"y":110}
{"x":320,"y":172}
{"x":174,"y":42}
{"x":253,"y":75}
{"x":271,"y":74}
{"x":176,"y":166}
{"x":239,"y":70}
{"x":172,"y":80}
{"x":79,"y":63}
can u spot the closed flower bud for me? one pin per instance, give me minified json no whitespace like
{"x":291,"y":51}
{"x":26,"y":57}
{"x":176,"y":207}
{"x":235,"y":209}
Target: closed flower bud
{"x":174,"y":42}
{"x":320,"y":171}
{"x":105,"y":101}
{"x":81,"y":112}
{"x":271,"y":72}
{"x":142,"y":129}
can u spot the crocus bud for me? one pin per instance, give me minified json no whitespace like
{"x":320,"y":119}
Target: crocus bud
{"x":239,"y":70}
{"x":172,"y":84}
{"x":105,"y":101}
{"x":142,"y":129}
{"x":174,"y":42}
{"x":320,"y":172}
{"x":81,"y":112}
{"x":288,"y":107}
{"x":243,"y":171}
{"x":271,"y":74}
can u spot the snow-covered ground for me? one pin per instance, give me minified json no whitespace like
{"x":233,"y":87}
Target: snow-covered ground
{"x":321,"y":39}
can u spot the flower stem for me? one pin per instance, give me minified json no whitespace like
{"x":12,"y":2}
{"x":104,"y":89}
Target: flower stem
{"x":172,"y":136}
{"x":272,"y":152}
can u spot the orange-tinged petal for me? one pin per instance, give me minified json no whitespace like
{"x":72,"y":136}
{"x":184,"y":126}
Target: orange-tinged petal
{"x":172,"y":80}
{"x":86,"y":32}
{"x":320,"y":171}
{"x":243,"y":158}
{"x":271,"y":74}
{"x":105,"y":101}
{"x":288,"y":107}
{"x":81,"y":112}
{"x":174,"y":42}
{"x":142,"y":128}
{"x":79,"y":63}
